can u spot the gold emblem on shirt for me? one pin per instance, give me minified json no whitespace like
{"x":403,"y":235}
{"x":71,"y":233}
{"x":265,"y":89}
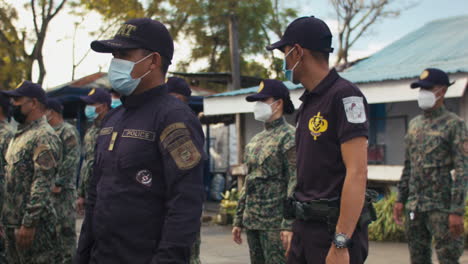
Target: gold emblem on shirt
{"x":92,"y":92}
{"x":317,"y":125}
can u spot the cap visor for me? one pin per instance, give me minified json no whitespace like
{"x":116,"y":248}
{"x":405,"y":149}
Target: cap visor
{"x":277,"y":45}
{"x":257,"y":97}
{"x":12,"y":93}
{"x":110,"y":45}
{"x":421,"y":83}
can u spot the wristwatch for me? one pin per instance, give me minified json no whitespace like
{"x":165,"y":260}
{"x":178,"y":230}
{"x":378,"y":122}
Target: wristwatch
{"x":341,"y":241}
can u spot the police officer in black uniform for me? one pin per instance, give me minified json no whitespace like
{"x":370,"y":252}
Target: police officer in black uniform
{"x":331,"y":141}
{"x":146,"y":192}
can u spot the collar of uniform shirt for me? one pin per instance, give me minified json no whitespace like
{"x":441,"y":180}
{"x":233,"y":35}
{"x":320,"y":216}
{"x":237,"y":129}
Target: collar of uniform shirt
{"x":275,"y":123}
{"x":25,"y":127}
{"x":133,"y":101}
{"x":322,"y":86}
{"x":435,"y":113}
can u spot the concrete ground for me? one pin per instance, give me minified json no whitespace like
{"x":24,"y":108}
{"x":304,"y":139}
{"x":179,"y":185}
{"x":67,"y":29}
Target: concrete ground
{"x":218,"y":248}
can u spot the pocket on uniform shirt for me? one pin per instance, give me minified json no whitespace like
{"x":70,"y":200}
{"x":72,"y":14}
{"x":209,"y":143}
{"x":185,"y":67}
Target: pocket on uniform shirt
{"x":436,"y":153}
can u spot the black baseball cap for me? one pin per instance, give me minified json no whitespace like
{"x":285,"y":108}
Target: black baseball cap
{"x":139,"y":33}
{"x":269,"y":88}
{"x":97,"y":95}
{"x":179,"y":86}
{"x":431,"y":77}
{"x":29,"y":89}
{"x":55,"y":105}
{"x":309,"y":32}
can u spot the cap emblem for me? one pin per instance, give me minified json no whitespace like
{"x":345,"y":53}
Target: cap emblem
{"x":92,"y":92}
{"x":424,"y":75}
{"x":260,"y":87}
{"x":126,"y":30}
{"x":19,"y":85}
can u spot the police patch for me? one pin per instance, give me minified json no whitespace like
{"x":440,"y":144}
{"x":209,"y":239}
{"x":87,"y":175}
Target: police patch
{"x":145,"y":177}
{"x":184,"y":153}
{"x":106,"y":131}
{"x":355,"y":110}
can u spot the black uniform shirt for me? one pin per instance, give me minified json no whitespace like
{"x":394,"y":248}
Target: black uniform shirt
{"x":146,"y":192}
{"x":333,"y":113}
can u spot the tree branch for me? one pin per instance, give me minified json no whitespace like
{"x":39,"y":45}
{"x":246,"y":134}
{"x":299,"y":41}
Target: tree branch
{"x":58,"y":9}
{"x":36,"y":28}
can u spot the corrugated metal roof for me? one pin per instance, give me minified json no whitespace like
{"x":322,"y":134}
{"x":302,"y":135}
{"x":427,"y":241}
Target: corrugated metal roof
{"x":254,"y":89}
{"x":440,"y":43}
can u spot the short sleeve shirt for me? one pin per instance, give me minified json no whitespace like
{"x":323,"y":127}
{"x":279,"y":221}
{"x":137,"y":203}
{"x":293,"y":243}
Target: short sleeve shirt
{"x":334,"y":112}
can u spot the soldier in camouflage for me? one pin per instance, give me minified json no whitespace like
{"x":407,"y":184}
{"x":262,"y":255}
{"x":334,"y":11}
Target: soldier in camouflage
{"x":433,"y":185}
{"x":271,"y":160}
{"x":32,"y":161}
{"x":6,"y":134}
{"x":98,"y":103}
{"x":64,"y":190}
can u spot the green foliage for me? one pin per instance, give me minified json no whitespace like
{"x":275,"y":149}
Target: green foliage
{"x":385,"y":228}
{"x":205,"y":24}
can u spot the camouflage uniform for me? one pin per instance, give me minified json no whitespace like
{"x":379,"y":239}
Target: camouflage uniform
{"x":64,"y":202}
{"x":88,"y":161}
{"x":32,"y":160}
{"x":271,"y":160}
{"x":6,"y":134}
{"x":436,"y":144}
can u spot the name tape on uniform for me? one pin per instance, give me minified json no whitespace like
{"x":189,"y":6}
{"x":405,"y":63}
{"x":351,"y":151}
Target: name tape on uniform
{"x":139,"y":134}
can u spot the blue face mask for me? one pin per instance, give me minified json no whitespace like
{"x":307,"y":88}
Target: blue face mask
{"x":120,"y":75}
{"x":90,"y":112}
{"x":289,"y":74}
{"x":116,"y":103}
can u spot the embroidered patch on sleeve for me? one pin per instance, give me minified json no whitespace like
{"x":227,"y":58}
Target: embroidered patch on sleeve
{"x":355,"y":110}
{"x":177,"y":141}
{"x":44,"y":157}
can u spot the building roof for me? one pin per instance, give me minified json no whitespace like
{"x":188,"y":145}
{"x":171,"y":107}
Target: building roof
{"x":440,"y":43}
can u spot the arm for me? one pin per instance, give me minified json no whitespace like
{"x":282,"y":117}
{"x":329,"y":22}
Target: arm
{"x":67,"y":168}
{"x":459,"y":149}
{"x":290,"y":175}
{"x":46,"y":157}
{"x":354,"y":154}
{"x":237,"y":222}
{"x":404,"y":180}
{"x":181,"y":145}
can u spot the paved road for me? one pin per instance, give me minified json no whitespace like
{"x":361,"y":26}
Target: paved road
{"x":218,"y":248}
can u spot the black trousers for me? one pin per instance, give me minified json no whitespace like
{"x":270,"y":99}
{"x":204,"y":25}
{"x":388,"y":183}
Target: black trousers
{"x":312,"y":241}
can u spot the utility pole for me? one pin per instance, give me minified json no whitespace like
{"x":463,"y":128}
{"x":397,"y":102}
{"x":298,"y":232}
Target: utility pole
{"x":235,"y":71}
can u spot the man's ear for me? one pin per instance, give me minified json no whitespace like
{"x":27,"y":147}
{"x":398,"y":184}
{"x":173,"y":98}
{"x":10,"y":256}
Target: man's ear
{"x":156,"y":61}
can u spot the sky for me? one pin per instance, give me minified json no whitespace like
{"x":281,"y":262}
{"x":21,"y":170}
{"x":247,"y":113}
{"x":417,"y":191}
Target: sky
{"x":58,"y":48}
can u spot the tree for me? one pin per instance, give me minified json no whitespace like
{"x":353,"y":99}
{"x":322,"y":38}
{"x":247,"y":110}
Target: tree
{"x":16,"y":42}
{"x":355,"y":17}
{"x":204,"y":24}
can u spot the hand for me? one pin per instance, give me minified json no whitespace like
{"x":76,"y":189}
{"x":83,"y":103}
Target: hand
{"x":398,"y":213}
{"x":24,"y":236}
{"x":337,"y":255}
{"x":56,"y":189}
{"x":456,"y":225}
{"x":286,"y":237}
{"x":236,"y":234}
{"x":80,"y":204}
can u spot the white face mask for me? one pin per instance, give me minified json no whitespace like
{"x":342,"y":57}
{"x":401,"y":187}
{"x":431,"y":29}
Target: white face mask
{"x":427,"y":99}
{"x":263,"y":111}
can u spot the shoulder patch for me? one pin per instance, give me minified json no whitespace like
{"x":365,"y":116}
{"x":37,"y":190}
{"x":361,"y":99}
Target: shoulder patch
{"x":177,"y":141}
{"x":355,"y":110}
{"x":44,"y":157}
{"x":71,"y":141}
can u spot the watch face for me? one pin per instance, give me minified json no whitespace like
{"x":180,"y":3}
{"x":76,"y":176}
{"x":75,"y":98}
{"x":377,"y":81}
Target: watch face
{"x":341,"y":239}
